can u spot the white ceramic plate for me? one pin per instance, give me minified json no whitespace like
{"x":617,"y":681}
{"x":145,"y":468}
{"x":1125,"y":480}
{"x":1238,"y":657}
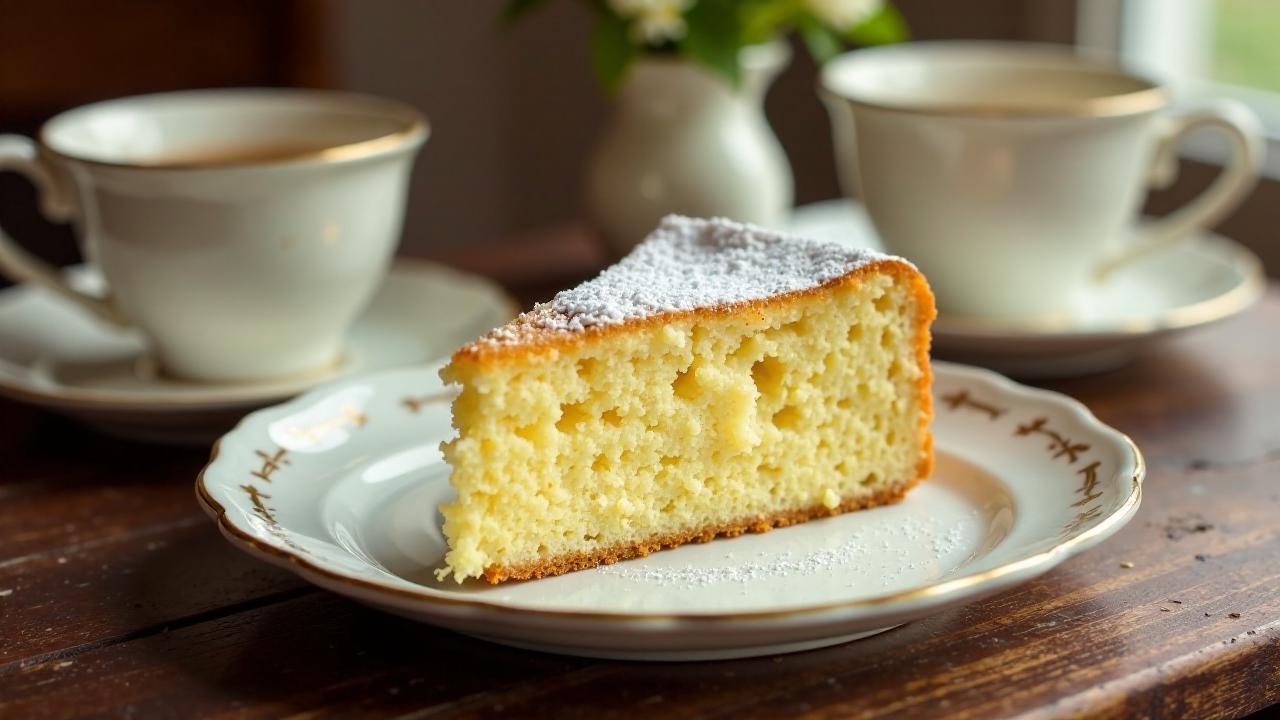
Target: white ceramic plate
{"x":53,"y":355}
{"x":1203,"y":280}
{"x":341,"y":486}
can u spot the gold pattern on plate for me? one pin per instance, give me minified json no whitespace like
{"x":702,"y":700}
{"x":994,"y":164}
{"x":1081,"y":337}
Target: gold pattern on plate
{"x":1059,"y":445}
{"x":1082,"y":519}
{"x":271,"y":462}
{"x":962,"y":398}
{"x":415,"y":404}
{"x":1089,"y":487}
{"x":256,"y":497}
{"x":349,"y":415}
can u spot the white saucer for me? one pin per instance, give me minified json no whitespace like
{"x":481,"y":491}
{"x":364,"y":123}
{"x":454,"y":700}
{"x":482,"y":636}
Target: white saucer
{"x":341,"y":486}
{"x":1203,"y":280}
{"x":53,"y":355}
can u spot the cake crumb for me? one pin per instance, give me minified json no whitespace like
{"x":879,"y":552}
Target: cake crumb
{"x":1178,"y":527}
{"x":830,"y":500}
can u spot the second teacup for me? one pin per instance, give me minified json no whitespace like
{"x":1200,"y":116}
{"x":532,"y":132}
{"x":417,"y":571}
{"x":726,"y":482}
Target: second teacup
{"x":241,"y":230}
{"x":1013,"y":174}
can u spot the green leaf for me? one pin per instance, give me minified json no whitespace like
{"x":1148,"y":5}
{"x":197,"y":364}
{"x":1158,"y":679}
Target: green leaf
{"x":611,"y":50}
{"x":885,"y":26}
{"x":517,"y":9}
{"x":713,"y":37}
{"x":823,"y":42}
{"x":764,"y":20}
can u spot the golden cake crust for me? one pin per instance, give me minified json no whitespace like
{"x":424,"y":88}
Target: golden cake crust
{"x":536,"y":340}
{"x":495,"y":574}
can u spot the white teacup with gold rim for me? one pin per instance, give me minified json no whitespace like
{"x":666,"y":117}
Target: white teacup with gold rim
{"x":1013,"y":174}
{"x":240,"y":230}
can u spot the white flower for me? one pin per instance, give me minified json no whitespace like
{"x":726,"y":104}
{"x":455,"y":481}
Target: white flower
{"x":653,"y":22}
{"x":842,"y":15}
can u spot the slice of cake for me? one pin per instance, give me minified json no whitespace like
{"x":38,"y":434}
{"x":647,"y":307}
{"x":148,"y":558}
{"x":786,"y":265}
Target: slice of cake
{"x":721,"y":378}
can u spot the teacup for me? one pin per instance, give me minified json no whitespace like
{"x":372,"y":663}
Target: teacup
{"x":241,"y":230}
{"x":1013,"y":174}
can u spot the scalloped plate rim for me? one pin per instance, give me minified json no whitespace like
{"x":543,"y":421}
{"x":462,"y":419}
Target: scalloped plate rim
{"x":911,"y":604}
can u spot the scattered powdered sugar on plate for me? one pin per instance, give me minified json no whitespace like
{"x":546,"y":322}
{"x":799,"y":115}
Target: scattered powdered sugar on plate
{"x":946,"y":544}
{"x":891,"y":550}
{"x":689,"y":263}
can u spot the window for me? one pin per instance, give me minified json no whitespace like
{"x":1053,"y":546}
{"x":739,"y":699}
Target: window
{"x":1201,"y":49}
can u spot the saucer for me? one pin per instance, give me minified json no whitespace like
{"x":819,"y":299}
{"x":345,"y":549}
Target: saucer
{"x":54,"y":356}
{"x":341,"y":487}
{"x":1197,"y":282}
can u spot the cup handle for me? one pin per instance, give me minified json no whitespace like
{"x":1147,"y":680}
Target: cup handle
{"x":1244,"y":131}
{"x":57,"y":202}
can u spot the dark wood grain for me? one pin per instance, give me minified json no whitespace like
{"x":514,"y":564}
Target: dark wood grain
{"x":120,"y":599}
{"x":110,"y":540}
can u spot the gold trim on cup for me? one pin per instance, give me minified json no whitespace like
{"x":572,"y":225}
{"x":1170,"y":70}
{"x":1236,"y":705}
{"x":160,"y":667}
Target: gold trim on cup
{"x":415,"y":127}
{"x":1131,"y":103}
{"x":1149,"y":96}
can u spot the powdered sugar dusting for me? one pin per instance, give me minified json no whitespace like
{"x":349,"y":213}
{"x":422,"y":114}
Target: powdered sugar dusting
{"x":889,"y":552}
{"x":690,"y":263}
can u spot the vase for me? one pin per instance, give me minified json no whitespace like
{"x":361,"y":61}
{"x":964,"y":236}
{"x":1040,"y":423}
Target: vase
{"x":684,"y":140}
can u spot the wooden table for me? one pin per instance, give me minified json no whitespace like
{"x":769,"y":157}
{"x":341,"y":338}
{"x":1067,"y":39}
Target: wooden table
{"x":119,"y":598}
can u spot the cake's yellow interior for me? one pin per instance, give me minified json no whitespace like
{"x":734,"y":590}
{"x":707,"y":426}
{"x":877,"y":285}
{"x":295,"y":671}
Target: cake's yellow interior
{"x":810,"y":404}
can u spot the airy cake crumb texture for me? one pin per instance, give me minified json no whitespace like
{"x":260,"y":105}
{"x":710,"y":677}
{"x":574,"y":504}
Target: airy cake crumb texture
{"x":678,"y":428}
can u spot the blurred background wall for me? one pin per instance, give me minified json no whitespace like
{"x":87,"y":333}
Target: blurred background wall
{"x":514,"y":111}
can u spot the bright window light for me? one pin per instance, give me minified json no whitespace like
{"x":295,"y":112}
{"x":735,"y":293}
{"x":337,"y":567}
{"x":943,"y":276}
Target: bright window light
{"x":1202,"y":49}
